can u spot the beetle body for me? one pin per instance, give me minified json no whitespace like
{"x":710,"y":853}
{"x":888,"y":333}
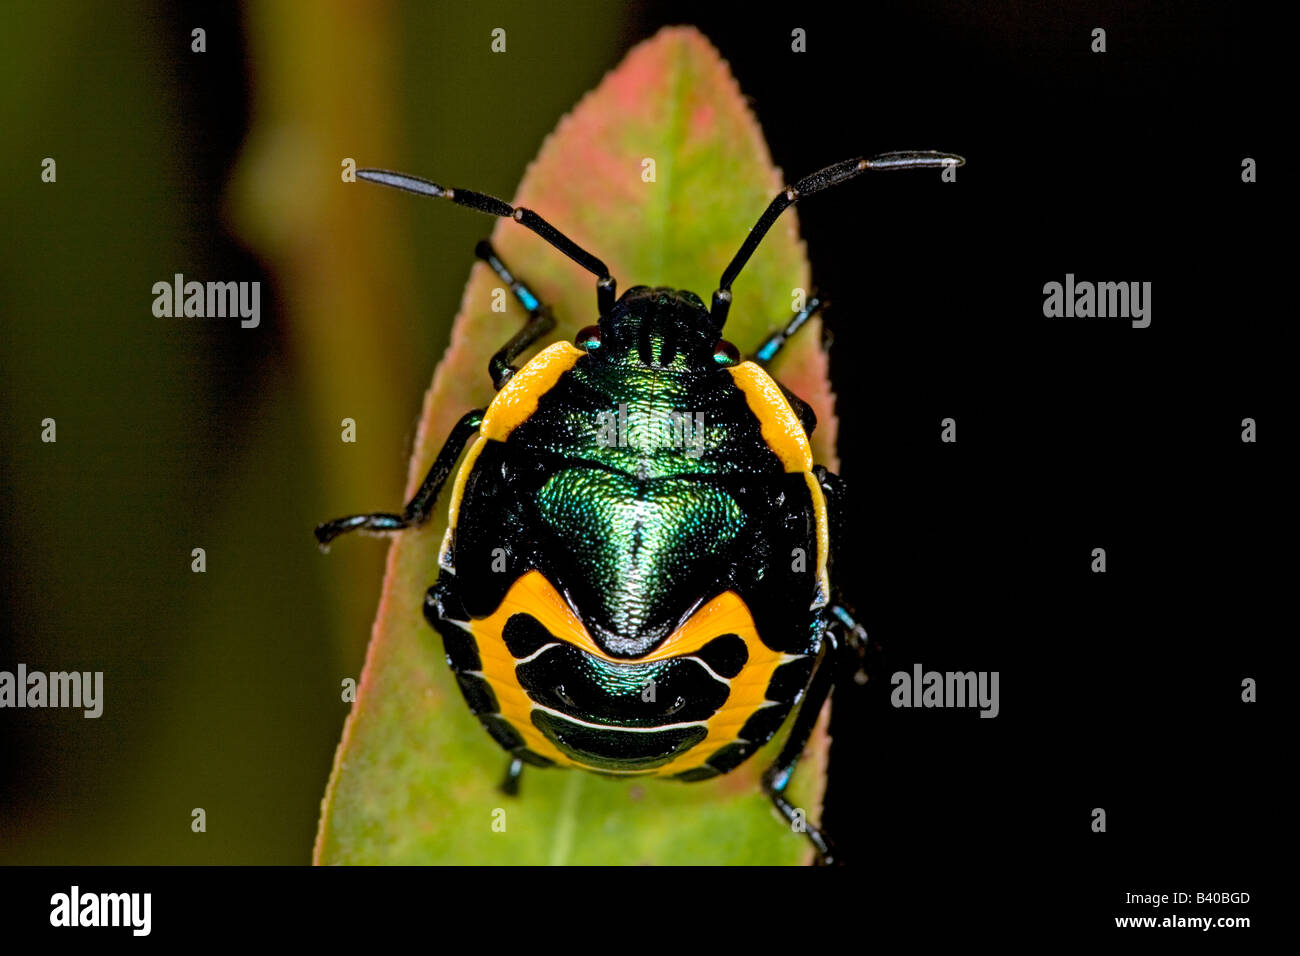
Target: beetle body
{"x":634,"y":572}
{"x":636,"y":575}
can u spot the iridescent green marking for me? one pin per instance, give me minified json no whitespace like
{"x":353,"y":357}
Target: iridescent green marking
{"x":638,"y":545}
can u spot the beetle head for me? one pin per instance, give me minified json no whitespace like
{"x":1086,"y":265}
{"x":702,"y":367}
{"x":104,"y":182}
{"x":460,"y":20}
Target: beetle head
{"x":658,"y":328}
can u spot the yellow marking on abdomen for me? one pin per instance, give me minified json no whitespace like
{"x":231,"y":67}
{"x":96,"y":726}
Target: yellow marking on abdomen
{"x":535,"y":596}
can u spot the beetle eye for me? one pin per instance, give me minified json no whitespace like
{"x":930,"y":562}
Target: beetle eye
{"x":588,"y":339}
{"x":724,"y":353}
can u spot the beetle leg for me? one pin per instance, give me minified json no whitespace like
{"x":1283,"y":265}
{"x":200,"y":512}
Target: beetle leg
{"x":540,"y":320}
{"x":419,"y":507}
{"x":857,"y":648}
{"x":776,"y":341}
{"x":514,"y":770}
{"x":777,"y":777}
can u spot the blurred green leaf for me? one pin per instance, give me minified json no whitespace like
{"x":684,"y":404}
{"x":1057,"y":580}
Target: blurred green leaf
{"x":415,"y":776}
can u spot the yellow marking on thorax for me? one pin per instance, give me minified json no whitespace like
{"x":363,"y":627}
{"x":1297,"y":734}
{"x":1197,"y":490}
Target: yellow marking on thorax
{"x":823,"y":536}
{"x":512,"y":406}
{"x":462,"y":476}
{"x":518,"y":398}
{"x":781,"y":427}
{"x":784,"y":434}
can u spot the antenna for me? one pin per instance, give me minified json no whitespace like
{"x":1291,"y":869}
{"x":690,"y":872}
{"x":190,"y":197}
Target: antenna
{"x":809,"y":185}
{"x":605,"y":285}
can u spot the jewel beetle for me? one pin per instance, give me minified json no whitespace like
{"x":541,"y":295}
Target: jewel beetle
{"x":670,"y":599}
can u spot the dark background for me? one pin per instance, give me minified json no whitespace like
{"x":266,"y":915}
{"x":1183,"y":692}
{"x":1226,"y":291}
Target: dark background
{"x":1119,"y":690}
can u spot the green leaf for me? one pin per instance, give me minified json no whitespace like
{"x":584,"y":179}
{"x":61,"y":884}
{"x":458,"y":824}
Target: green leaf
{"x":415,"y":776}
